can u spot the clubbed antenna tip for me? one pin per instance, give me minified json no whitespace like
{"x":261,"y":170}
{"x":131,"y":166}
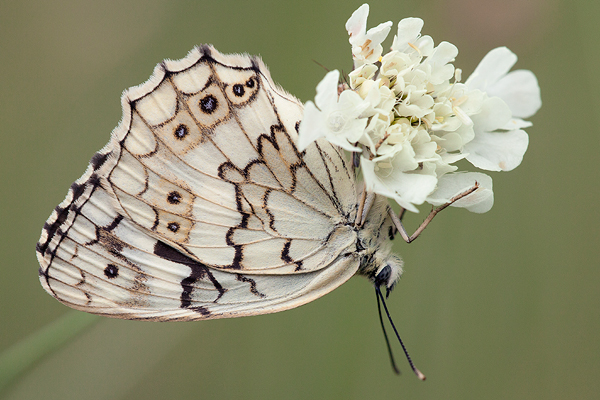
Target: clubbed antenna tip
{"x":420,"y":374}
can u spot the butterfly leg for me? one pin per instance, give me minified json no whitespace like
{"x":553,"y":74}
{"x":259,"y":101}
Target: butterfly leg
{"x":361,"y":206}
{"x":368,"y":204}
{"x":398,"y":223}
{"x":364,"y":206}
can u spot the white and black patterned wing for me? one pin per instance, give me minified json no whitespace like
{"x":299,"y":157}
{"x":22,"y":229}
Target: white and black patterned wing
{"x":201,"y":206}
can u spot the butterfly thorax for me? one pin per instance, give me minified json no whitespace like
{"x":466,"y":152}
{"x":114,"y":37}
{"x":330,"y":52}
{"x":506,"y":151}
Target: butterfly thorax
{"x":374,"y":243}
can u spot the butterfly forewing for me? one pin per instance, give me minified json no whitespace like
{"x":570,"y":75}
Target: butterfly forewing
{"x":201,"y":206}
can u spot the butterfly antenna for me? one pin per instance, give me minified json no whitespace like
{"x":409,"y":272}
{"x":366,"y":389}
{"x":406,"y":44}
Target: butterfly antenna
{"x":320,"y":65}
{"x":387,"y":341}
{"x":345,"y":77}
{"x":412,"y":365}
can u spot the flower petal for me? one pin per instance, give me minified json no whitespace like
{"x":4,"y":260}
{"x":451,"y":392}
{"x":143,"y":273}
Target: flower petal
{"x":497,"y":151}
{"x":425,"y":45}
{"x":492,"y":67}
{"x":516,"y":123}
{"x":494,"y":114}
{"x":520,"y":91}
{"x":311,"y":126}
{"x":451,"y":185}
{"x":352,"y":132}
{"x":327,"y":92}
{"x":352,"y":104}
{"x":443,"y":54}
{"x":380,"y":32}
{"x":366,"y":46}
{"x":409,"y":29}
{"x":357,"y":23}
{"x":361,"y":74}
{"x":405,"y":188}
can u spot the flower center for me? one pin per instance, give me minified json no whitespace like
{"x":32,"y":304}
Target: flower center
{"x":337,"y":121}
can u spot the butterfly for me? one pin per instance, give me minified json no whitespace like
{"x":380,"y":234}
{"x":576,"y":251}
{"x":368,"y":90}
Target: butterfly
{"x":202,"y":207}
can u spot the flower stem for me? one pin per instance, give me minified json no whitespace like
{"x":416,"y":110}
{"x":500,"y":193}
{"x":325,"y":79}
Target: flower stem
{"x":17,"y":359}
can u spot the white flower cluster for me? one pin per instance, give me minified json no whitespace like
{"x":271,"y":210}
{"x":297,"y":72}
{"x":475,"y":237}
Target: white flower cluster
{"x":412,"y":118}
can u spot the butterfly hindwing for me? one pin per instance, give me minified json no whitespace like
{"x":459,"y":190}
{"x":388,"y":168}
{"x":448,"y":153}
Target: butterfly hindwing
{"x":201,"y":206}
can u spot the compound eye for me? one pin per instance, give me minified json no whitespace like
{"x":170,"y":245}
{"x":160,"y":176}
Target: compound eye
{"x":383,"y":276}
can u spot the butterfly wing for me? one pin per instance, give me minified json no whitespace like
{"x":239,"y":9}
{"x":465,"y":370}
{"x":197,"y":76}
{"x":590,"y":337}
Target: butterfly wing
{"x":201,"y":206}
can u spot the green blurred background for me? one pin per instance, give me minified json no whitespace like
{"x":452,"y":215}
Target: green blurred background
{"x":495,"y":306}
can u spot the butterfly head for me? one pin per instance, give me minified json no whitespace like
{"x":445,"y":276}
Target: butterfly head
{"x":388,"y":273}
